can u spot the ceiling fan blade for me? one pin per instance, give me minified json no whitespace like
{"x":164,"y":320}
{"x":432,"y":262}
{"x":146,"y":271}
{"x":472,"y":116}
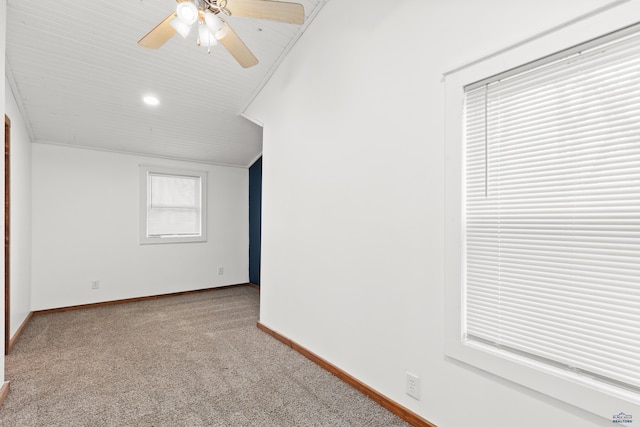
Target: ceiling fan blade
{"x":238,"y":49}
{"x":292,"y":13}
{"x":159,"y":35}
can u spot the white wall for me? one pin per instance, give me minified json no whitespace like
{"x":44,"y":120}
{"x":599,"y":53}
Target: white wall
{"x":20,"y":269}
{"x":85,"y":228}
{"x":353,"y":198}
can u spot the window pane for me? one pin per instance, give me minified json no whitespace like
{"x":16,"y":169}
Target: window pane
{"x":173,"y":221}
{"x":174,"y":205}
{"x":552,"y":203}
{"x":174,"y":191}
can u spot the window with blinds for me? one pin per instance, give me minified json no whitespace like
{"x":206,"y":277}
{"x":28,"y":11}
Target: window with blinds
{"x":173,"y":205}
{"x":552,"y":210}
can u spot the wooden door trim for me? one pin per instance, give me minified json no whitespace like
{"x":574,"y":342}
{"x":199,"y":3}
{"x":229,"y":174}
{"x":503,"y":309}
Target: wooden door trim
{"x":7,"y":234}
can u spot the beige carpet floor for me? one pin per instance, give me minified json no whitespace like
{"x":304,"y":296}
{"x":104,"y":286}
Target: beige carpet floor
{"x":189,"y":360}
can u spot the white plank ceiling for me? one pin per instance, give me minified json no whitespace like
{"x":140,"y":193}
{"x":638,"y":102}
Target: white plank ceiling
{"x":80,"y":76}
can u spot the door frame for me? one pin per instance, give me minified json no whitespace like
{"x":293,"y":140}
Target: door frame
{"x":7,"y":233}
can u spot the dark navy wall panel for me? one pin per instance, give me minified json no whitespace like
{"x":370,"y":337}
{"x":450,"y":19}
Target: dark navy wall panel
{"x":255,"y":220}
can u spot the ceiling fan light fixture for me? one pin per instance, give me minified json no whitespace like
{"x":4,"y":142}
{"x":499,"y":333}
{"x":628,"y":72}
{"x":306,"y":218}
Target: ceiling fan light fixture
{"x":187,"y":12}
{"x":215,"y":25}
{"x":180,"y":27}
{"x":213,"y":15}
{"x":206,"y":38}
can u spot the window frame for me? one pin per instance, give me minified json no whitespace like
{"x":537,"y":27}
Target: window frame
{"x":570,"y":387}
{"x":145,"y":173}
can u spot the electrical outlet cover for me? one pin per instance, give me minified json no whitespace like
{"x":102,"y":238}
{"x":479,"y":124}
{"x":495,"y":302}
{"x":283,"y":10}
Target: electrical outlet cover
{"x":413,"y":385}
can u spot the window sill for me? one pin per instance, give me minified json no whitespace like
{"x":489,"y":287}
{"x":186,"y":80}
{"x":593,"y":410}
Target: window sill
{"x":165,"y":240}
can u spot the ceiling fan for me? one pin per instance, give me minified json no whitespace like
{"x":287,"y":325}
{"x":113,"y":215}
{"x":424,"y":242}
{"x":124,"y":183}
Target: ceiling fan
{"x":212,"y":28}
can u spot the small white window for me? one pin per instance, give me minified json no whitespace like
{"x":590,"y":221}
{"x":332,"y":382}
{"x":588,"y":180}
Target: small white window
{"x":173,"y":205}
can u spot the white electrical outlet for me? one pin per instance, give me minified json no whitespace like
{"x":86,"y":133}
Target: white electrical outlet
{"x":220,"y":271}
{"x":95,"y":284}
{"x":413,"y":386}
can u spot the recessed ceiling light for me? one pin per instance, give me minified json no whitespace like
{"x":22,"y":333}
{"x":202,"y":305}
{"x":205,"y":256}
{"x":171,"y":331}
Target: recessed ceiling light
{"x":151,"y":100}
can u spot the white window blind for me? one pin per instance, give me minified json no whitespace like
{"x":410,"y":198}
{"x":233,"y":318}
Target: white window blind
{"x":174,"y":205}
{"x":552,"y":211}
